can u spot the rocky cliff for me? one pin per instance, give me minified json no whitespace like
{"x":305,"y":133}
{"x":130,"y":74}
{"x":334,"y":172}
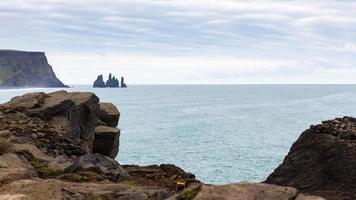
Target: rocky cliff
{"x":62,"y":145}
{"x":26,"y":69}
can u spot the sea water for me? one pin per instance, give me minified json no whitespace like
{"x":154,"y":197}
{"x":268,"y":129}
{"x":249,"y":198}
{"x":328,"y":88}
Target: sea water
{"x":220,"y":133}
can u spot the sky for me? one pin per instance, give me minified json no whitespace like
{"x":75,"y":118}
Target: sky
{"x":188,"y":41}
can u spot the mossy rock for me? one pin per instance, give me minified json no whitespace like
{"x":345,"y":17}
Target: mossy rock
{"x":131,"y":183}
{"x":43,"y":170}
{"x":82,"y":176}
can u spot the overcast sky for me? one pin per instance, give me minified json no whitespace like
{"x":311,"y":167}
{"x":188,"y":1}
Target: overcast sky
{"x":188,"y":41}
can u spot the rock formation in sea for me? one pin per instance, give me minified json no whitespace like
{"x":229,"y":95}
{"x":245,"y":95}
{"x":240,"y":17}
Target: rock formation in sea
{"x":63,"y":145}
{"x":26,"y":69}
{"x":123,"y":84}
{"x":99,"y":82}
{"x":112,"y":82}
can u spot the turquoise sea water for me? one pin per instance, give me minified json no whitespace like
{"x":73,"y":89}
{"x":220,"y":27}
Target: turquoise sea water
{"x":222,"y":134}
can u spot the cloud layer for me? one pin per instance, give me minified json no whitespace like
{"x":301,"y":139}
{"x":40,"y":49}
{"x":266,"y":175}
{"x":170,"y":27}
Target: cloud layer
{"x":197,"y":41}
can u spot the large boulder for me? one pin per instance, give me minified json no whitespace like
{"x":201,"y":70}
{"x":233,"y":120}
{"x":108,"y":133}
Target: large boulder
{"x":75,"y":113}
{"x":322,"y":161}
{"x":106,"y":141}
{"x":109,"y":114}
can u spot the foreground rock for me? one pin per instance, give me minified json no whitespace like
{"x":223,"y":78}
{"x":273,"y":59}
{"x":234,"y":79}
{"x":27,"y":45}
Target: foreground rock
{"x":26,"y":69}
{"x":251,"y":192}
{"x":61,"y":146}
{"x":322,"y":161}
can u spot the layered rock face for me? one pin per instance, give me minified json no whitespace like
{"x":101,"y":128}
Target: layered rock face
{"x":322,"y":161}
{"x":26,"y":69}
{"x":61,"y":145}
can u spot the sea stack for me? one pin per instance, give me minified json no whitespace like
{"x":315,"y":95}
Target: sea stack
{"x":123,"y":84}
{"x":26,"y":69}
{"x":112,"y":82}
{"x":99,"y":82}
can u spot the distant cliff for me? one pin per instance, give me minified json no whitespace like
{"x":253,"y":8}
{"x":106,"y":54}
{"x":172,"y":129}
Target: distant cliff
{"x":26,"y":69}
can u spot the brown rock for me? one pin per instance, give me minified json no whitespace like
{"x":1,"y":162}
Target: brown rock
{"x":109,"y":114}
{"x":58,"y":190}
{"x":33,"y":150}
{"x":13,"y":168}
{"x":322,"y":161}
{"x":26,"y":101}
{"x":106,"y":141}
{"x":248,"y":192}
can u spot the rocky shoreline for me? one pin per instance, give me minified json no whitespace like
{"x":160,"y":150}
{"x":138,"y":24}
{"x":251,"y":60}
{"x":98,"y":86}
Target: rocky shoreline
{"x":62,"y":145}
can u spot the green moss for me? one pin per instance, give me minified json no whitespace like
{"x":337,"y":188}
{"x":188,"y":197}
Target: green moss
{"x":82,"y":176}
{"x":38,"y":164}
{"x":131,"y":183}
{"x":100,"y":197}
{"x":189,"y":193}
{"x":43,"y":170}
{"x":49,"y":172}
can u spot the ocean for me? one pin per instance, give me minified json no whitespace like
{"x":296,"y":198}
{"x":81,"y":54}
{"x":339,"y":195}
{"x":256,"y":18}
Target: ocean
{"x":220,"y":133}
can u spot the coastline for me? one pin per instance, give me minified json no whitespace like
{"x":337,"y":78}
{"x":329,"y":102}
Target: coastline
{"x":47,"y":149}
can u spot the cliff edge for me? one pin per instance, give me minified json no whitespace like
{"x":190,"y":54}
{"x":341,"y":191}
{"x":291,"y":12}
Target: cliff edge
{"x":26,"y":69}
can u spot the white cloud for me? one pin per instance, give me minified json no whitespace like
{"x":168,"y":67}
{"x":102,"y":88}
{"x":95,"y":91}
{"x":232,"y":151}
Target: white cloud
{"x":176,"y":41}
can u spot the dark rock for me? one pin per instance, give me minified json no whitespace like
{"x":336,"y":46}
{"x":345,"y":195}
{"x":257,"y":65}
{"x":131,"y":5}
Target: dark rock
{"x":109,"y":114}
{"x":99,"y":82}
{"x":322,"y":161}
{"x":99,"y":164}
{"x":112,"y":82}
{"x":123,"y":84}
{"x":106,"y":141}
{"x":26,"y":69}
